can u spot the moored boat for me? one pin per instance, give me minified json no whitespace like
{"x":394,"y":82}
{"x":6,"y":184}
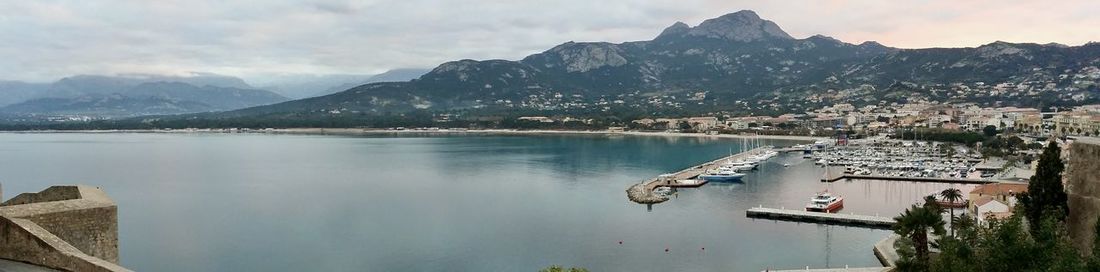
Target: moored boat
{"x":825,"y":202}
{"x":722,"y":175}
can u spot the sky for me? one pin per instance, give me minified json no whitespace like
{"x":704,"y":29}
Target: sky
{"x":262,"y":40}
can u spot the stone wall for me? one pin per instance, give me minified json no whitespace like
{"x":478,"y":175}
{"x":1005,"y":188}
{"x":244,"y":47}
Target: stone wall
{"x":55,"y":193}
{"x":1082,"y":178}
{"x":24,"y":241}
{"x":72,"y":226}
{"x":94,"y":230}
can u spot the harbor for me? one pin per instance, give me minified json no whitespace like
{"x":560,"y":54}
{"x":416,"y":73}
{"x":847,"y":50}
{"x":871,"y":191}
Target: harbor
{"x":867,"y":159}
{"x":647,"y":192}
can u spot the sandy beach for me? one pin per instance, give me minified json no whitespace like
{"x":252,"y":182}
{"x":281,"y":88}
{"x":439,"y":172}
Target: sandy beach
{"x":353,"y":131}
{"x":410,"y":132}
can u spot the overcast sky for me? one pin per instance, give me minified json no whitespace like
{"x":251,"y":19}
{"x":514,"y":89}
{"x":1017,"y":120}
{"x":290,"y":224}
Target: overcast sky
{"x":44,"y":40}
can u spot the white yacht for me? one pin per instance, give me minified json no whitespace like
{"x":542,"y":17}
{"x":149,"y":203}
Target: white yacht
{"x":825,"y":202}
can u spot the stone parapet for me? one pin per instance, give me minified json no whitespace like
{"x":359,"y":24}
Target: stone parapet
{"x":72,"y":228}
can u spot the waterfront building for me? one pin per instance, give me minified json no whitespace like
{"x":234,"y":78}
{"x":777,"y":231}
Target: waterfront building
{"x":1032,"y":124}
{"x":737,"y":124}
{"x":703,"y":123}
{"x":1077,"y":123}
{"x":987,"y":199}
{"x":542,"y":119}
{"x":988,"y":207}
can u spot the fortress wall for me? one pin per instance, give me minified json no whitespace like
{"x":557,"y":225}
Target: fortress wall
{"x":63,"y":223}
{"x":1082,"y":179}
{"x":55,"y":193}
{"x":24,"y":241}
{"x":93,"y":230}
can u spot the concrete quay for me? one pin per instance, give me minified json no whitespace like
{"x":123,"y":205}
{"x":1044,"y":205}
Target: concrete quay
{"x":822,"y":218}
{"x":913,"y":179}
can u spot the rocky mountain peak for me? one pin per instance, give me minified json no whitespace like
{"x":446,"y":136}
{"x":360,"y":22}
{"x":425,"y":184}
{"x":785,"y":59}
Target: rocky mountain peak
{"x":677,"y":29}
{"x":584,"y":57}
{"x":1000,"y":48}
{"x":872,"y":44}
{"x":741,"y":26}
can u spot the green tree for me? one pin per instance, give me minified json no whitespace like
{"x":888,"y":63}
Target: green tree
{"x":952,"y":195}
{"x":990,"y":131}
{"x":906,"y":256}
{"x":914,"y":224}
{"x":932,"y":205}
{"x":1053,"y":248}
{"x":1094,"y":260}
{"x":1045,"y":193}
{"x":1005,"y":246}
{"x":558,"y":268}
{"x":955,"y":255}
{"x":966,"y":228}
{"x":686,"y":127}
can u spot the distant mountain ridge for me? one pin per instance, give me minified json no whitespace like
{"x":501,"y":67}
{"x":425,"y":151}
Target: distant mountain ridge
{"x":134,"y":95}
{"x":732,"y":62}
{"x":308,"y":85}
{"x":732,"y":57}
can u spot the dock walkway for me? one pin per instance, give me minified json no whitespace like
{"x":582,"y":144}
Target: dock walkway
{"x":914,"y":179}
{"x":823,"y":218}
{"x":643,"y":192}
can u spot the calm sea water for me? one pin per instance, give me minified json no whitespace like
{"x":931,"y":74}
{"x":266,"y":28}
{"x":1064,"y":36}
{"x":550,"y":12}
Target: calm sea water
{"x":246,"y":202}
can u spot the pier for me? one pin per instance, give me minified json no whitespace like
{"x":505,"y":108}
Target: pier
{"x":914,"y":179}
{"x":642,"y":193}
{"x":790,"y":149}
{"x":822,"y":218}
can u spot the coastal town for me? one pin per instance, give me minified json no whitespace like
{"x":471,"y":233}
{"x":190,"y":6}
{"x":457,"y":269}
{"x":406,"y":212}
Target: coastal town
{"x":869,"y":120}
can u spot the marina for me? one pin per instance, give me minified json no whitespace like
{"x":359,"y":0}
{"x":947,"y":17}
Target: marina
{"x":647,"y":192}
{"x":882,"y":158}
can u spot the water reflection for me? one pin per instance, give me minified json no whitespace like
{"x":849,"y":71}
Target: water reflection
{"x":200,"y":202}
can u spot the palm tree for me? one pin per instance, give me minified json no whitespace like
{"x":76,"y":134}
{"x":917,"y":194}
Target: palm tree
{"x":965,"y":228}
{"x":951,"y":195}
{"x":914,"y":223}
{"x":931,"y":203}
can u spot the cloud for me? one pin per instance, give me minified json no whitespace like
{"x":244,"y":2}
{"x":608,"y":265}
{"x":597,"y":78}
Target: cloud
{"x":254,"y":39}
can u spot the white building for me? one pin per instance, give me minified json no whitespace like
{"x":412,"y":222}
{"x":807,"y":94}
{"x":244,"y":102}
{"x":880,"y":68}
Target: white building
{"x":988,"y":207}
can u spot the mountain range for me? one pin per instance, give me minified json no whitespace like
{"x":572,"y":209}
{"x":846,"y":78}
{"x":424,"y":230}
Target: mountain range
{"x":730,"y":59}
{"x":131,"y":95}
{"x":305,"y":86}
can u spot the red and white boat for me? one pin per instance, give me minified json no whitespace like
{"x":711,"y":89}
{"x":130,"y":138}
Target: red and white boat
{"x":825,"y":202}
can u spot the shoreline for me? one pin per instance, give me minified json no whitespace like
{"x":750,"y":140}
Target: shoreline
{"x":360,"y":131}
